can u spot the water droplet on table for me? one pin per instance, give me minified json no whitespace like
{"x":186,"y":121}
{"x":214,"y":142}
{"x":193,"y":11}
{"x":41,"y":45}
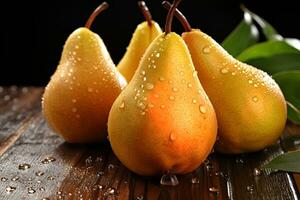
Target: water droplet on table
{"x":24,"y":166}
{"x":30,"y":190}
{"x":4,"y":179}
{"x":169,"y":180}
{"x":10,"y":189}
{"x":48,"y":160}
{"x":39,"y":173}
{"x":213,"y":190}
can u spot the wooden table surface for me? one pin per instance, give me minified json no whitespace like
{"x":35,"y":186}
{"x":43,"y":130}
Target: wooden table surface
{"x":36,"y":164}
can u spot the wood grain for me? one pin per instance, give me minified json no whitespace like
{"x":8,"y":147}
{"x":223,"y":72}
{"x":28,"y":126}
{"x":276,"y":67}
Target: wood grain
{"x":93,"y":172}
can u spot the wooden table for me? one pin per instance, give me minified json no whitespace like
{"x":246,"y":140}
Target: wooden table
{"x":57,"y":170}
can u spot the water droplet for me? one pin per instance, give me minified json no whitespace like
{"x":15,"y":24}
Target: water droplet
{"x":255,"y":85}
{"x":110,"y":191}
{"x":15,"y":178}
{"x":149,"y":86}
{"x":206,"y":49}
{"x":194,"y":101}
{"x":172,"y":137}
{"x":195,"y":180}
{"x":74,"y":110}
{"x":50,"y":178}
{"x":76,"y":47}
{"x":175,"y":89}
{"x":77,"y":116}
{"x":170,"y":81}
{"x":30,"y":190}
{"x":239,"y":160}
{"x":10,"y":189}
{"x":157,"y":55}
{"x":150,"y":105}
{"x":101,"y":173}
{"x":250,"y":81}
{"x":162,"y":106}
{"x":38,"y":181}
{"x":189,"y":85}
{"x":250,"y":188}
{"x":224,"y":70}
{"x":48,"y":160}
{"x":169,"y":179}
{"x":233,"y":73}
{"x":140,"y":197}
{"x":257,"y":172}
{"x":255,"y":99}
{"x":214,"y":190}
{"x":141,"y":105}
{"x":110,"y":167}
{"x":195,"y":73}
{"x":161,"y":78}
{"x":122,"y":105}
{"x":74,"y":100}
{"x":143,"y":113}
{"x":172,"y":98}
{"x":24,"y":166}
{"x":97,"y":187}
{"x":202,"y":109}
{"x":39,"y":173}
{"x":90,"y":89}
{"x":89,"y":160}
{"x":3,"y":179}
{"x":45,"y":198}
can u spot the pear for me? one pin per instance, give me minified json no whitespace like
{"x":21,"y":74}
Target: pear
{"x":144,"y":34}
{"x":250,"y":106}
{"x":163,"y":121}
{"x":77,"y":100}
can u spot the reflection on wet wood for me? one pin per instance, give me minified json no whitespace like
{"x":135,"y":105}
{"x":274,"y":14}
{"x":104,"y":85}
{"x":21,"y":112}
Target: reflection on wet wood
{"x":93,"y":172}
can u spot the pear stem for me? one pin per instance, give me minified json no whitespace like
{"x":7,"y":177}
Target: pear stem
{"x":179,"y":16}
{"x":144,"y":9}
{"x":96,"y":12}
{"x":170,"y":16}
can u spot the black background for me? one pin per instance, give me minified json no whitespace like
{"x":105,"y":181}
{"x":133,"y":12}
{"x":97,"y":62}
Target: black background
{"x":33,"y":33}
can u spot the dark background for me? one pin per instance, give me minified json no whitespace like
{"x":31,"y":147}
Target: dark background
{"x":33,"y":34}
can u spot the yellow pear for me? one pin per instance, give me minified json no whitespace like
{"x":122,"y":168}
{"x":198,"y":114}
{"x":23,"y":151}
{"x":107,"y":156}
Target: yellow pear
{"x":80,"y":93}
{"x":250,"y":106}
{"x":163,"y":121}
{"x":144,"y":34}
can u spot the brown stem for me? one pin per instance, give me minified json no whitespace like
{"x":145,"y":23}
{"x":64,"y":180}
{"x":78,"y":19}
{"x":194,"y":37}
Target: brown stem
{"x":170,"y":16}
{"x":144,"y":9}
{"x":179,"y":16}
{"x":96,"y":12}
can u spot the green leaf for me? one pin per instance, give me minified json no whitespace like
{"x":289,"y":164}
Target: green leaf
{"x":243,"y":36}
{"x":272,"y":56}
{"x":268,"y":30}
{"x":289,"y":83}
{"x":287,"y":162}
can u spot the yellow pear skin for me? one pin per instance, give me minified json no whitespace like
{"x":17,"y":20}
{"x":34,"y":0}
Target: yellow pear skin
{"x":163,"y":121}
{"x":250,"y":107}
{"x":141,"y":39}
{"x":80,"y":93}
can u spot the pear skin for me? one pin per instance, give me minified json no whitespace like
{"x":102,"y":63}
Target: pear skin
{"x":141,"y":39}
{"x":163,"y":121}
{"x":77,"y":100}
{"x":250,"y":107}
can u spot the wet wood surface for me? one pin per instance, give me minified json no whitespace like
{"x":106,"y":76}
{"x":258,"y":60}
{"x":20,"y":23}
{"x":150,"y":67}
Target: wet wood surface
{"x":36,"y":164}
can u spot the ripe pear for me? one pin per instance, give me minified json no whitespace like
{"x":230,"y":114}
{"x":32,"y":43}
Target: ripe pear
{"x":250,"y":106}
{"x":80,"y":93}
{"x":163,"y":121}
{"x":144,"y":34}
